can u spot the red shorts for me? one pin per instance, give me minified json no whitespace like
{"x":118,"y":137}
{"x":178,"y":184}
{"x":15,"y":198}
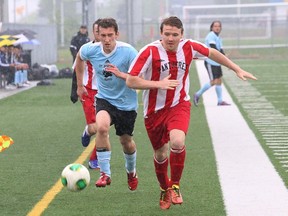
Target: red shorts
{"x":89,"y":106}
{"x":159,"y":124}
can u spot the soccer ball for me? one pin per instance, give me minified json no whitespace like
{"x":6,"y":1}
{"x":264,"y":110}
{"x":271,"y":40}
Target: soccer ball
{"x":75,"y":177}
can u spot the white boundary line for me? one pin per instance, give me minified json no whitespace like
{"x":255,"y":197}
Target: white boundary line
{"x":249,"y":182}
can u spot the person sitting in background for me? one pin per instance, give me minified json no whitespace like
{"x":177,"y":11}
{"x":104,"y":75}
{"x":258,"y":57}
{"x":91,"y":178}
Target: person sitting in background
{"x":6,"y":67}
{"x":21,"y":73}
{"x":11,"y":73}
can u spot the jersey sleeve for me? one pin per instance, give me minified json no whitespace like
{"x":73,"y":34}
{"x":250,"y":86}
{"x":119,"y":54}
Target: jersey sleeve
{"x":84,"y":55}
{"x":141,"y":62}
{"x":200,"y":50}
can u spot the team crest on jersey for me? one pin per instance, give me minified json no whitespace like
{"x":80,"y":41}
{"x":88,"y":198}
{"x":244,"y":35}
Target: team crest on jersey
{"x":107,"y":74}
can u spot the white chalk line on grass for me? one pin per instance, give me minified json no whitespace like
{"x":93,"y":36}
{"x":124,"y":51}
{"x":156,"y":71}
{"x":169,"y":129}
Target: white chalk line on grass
{"x":263,"y":114}
{"x":249,"y":182}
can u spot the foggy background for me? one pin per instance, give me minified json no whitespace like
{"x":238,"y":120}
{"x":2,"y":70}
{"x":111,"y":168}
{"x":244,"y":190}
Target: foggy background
{"x":247,"y":24}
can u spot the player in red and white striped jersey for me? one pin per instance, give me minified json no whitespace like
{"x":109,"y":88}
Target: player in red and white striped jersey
{"x":161,"y":69}
{"x":88,"y":104}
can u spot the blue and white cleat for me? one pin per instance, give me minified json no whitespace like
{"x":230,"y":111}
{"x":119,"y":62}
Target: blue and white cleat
{"x":93,"y":164}
{"x":85,"y":137}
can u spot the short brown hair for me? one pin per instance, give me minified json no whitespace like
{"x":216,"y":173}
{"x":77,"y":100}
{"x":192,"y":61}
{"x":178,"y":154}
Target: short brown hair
{"x":172,"y":21}
{"x":96,"y":23}
{"x":108,"y":23}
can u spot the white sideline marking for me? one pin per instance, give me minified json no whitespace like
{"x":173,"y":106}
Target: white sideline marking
{"x":249,"y":182}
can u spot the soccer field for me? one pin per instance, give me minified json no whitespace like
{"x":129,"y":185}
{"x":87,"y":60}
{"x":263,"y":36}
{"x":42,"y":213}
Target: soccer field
{"x":46,"y":128}
{"x":264,"y":104}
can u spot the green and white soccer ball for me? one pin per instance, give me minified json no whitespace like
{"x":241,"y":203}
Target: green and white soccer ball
{"x":75,"y":177}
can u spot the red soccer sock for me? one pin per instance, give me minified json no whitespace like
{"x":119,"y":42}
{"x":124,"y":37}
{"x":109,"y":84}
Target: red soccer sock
{"x":177,"y":159}
{"x":93,"y":155}
{"x":161,"y":173}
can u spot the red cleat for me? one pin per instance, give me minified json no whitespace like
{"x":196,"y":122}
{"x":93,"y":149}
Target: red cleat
{"x":165,"y":198}
{"x":176,"y":196}
{"x":103,"y":180}
{"x":132,"y":181}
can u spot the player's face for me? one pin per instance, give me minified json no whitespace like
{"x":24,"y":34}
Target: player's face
{"x":108,"y":38}
{"x":171,"y":37}
{"x":216,"y":27}
{"x":96,"y":33}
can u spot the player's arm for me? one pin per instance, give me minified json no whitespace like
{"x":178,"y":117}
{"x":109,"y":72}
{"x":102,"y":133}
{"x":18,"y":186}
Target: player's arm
{"x":136,"y":82}
{"x":79,"y":69}
{"x":215,"y":55}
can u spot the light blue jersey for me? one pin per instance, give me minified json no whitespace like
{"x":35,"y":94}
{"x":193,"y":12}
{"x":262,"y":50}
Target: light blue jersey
{"x":212,"y":38}
{"x":110,"y":87}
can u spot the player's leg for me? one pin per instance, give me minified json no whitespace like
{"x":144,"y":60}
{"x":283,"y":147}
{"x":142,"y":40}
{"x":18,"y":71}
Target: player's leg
{"x":179,"y":117}
{"x":177,"y":160}
{"x":205,"y":87}
{"x":103,"y":147}
{"x":89,"y":112}
{"x":159,"y":137}
{"x":124,"y":126}
{"x":130,"y":155}
{"x":217,"y":74}
{"x":93,"y":162}
{"x":161,"y":168}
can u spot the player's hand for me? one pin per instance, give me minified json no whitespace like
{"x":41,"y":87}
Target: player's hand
{"x":113,"y":69}
{"x":81,"y":91}
{"x":244,"y":75}
{"x":168,"y":84}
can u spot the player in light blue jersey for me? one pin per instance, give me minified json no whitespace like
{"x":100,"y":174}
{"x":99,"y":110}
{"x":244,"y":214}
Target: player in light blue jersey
{"x":213,"y":40}
{"x":116,"y":104}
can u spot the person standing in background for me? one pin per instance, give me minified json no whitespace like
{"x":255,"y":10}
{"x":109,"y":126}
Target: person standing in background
{"x":213,"y":40}
{"x":77,"y":41}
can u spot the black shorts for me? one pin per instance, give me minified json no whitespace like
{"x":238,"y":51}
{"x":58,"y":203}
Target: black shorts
{"x":214,"y":72}
{"x":123,"y":121}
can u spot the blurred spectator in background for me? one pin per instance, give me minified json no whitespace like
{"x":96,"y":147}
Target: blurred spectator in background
{"x":77,"y":41}
{"x":21,"y":73}
{"x":11,"y":61}
{"x":6,"y":67}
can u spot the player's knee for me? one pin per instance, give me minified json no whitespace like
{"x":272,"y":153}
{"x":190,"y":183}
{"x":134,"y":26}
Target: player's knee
{"x":102,"y":130}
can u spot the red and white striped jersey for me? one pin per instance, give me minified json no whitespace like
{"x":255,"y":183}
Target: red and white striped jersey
{"x":89,"y":79}
{"x":155,"y":63}
{"x":89,"y":76}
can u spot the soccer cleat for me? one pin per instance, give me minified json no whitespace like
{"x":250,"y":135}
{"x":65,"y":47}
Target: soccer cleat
{"x":223,"y":103}
{"x":165,"y":198}
{"x":132,"y":181}
{"x":195,"y":100}
{"x":85,"y":138}
{"x":103,"y":180}
{"x":93,"y":164}
{"x":176,"y":196}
